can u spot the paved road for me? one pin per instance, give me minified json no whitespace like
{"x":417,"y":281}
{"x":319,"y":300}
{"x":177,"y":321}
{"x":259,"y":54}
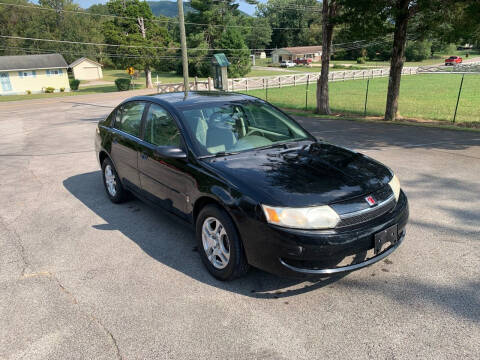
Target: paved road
{"x":81,"y":278}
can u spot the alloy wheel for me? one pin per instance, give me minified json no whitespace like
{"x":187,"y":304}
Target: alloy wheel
{"x":216,"y":243}
{"x":110,"y":181}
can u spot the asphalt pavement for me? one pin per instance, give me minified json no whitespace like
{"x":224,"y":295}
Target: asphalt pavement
{"x":82,"y":278}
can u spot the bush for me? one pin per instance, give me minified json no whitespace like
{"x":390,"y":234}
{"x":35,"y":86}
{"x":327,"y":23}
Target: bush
{"x":62,"y":89}
{"x":49,"y":90}
{"x":123,"y":84}
{"x":418,"y":50}
{"x":74,"y":84}
{"x":361,"y":60}
{"x":29,"y":92}
{"x":339,"y":66}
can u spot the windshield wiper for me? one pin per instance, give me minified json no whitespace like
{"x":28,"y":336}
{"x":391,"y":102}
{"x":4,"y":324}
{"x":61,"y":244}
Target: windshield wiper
{"x":219,"y":154}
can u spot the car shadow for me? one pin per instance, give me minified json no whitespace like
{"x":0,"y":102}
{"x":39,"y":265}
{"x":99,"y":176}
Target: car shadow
{"x":168,"y":240}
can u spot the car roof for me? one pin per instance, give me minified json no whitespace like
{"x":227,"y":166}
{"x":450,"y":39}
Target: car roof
{"x":178,"y":99}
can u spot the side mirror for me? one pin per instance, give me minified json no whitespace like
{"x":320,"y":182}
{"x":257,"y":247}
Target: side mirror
{"x":171,"y":152}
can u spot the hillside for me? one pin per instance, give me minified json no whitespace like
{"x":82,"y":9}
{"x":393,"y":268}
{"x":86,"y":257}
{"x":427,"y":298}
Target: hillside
{"x":167,"y":8}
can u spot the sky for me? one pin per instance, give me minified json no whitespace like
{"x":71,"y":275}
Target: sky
{"x":249,"y":9}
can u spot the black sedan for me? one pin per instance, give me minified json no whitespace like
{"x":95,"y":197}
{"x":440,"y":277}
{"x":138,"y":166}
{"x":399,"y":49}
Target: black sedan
{"x":258,"y":188}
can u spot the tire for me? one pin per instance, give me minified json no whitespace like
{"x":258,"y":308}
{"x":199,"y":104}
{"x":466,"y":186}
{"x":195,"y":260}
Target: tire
{"x":224,"y":256}
{"x":113,"y":187}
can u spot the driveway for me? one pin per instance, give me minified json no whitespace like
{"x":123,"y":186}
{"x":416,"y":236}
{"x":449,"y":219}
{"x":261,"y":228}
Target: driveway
{"x":81,"y":278}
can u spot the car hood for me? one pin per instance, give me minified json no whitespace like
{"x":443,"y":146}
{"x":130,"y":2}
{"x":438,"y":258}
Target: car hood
{"x":315,"y":174}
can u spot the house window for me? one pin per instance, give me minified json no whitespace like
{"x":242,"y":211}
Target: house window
{"x":27,"y":74}
{"x":54,"y":72}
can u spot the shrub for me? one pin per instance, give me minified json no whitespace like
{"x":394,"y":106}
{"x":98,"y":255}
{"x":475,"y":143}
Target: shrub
{"x":123,"y":84}
{"x":62,"y":89}
{"x":339,"y":66}
{"x":74,"y":84}
{"x":418,"y":50}
{"x":49,"y":90}
{"x":361,"y":60}
{"x":29,"y":92}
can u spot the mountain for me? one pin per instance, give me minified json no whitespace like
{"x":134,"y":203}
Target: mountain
{"x":170,"y":9}
{"x":167,"y":8}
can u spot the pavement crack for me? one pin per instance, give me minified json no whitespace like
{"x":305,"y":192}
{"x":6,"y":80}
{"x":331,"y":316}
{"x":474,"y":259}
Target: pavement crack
{"x":74,"y":300}
{"x":20,"y":247}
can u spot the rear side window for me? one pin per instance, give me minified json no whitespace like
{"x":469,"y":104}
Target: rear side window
{"x":160,"y":128}
{"x":129,"y":117}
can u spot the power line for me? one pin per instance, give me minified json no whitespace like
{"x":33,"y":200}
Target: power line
{"x":166,"y":21}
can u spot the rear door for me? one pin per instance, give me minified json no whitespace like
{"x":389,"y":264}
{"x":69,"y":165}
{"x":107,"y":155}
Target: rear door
{"x":126,"y":141}
{"x":164,"y":179}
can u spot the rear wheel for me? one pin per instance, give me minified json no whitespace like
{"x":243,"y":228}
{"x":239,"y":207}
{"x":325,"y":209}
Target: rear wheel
{"x":219,"y":244}
{"x":115,"y":191}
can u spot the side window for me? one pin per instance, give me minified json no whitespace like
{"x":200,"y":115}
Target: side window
{"x":129,"y":117}
{"x":160,"y":128}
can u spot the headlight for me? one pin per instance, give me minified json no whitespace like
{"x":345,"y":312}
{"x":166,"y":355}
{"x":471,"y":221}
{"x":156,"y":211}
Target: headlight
{"x":318,"y":217}
{"x":395,"y":185}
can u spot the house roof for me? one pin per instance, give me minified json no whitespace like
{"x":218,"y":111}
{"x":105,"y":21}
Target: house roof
{"x":32,"y":62}
{"x":302,"y":49}
{"x":78,"y":61}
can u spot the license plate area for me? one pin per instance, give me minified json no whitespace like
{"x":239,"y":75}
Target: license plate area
{"x":389,"y":235}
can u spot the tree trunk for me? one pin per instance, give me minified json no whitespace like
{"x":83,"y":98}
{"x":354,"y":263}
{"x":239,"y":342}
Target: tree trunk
{"x":148,"y":77}
{"x":328,"y":12}
{"x":396,"y":64}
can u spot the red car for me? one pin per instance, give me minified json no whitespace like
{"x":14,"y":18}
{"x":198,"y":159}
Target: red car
{"x":303,"y":61}
{"x":453,"y":60}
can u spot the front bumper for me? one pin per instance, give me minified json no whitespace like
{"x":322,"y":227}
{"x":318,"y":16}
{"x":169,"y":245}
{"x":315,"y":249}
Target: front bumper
{"x":306,"y":253}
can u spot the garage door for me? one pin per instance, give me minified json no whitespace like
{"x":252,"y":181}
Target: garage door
{"x":89,"y":73}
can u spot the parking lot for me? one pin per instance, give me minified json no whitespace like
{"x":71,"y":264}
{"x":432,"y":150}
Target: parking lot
{"x":82,"y":278}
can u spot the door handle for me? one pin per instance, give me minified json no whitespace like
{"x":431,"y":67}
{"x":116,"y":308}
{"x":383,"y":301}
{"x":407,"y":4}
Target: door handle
{"x":144,"y":156}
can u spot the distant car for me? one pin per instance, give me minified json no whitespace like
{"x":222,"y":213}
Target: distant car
{"x":258,"y":188}
{"x":453,"y":60}
{"x":303,"y":61}
{"x":287,"y":63}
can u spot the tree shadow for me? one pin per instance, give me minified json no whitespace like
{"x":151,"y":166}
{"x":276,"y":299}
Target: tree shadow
{"x":168,"y":240}
{"x":378,"y":135}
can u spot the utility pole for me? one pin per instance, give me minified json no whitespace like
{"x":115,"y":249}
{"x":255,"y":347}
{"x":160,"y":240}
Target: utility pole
{"x":183,"y":42}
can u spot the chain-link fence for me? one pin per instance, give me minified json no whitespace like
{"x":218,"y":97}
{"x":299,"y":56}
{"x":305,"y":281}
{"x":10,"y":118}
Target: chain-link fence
{"x":422,"y":96}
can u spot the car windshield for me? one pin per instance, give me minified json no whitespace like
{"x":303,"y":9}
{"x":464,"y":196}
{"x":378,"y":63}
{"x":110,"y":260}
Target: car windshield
{"x":239,"y":126}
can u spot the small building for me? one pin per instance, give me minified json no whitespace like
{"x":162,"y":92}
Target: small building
{"x":261,"y":54}
{"x":86,"y":69}
{"x":23,"y":74}
{"x":298,"y":52}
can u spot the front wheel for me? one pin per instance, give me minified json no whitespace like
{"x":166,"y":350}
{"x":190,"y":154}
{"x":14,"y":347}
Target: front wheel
{"x":219,"y":244}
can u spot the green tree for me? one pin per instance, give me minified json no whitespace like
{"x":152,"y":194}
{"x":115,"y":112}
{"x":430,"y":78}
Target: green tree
{"x":239,"y":59}
{"x":140,"y":35}
{"x":294,"y":22}
{"x":218,"y":32}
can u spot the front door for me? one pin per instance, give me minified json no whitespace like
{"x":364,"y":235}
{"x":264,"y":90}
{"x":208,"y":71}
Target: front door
{"x":126,"y":141}
{"x":5,"y":82}
{"x":163,"y":178}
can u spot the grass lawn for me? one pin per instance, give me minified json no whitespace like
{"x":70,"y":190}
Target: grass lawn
{"x":428,"y":96}
{"x":81,"y":91}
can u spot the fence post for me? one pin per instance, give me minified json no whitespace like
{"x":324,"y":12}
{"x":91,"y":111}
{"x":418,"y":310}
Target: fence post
{"x":306,"y":92}
{"x":266,"y":91}
{"x":294,"y":80}
{"x":279,"y":82}
{"x":366,"y":99}
{"x":458,"y":99}
{"x":246,"y":85}
{"x":233,"y":85}
{"x":209,"y":88}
